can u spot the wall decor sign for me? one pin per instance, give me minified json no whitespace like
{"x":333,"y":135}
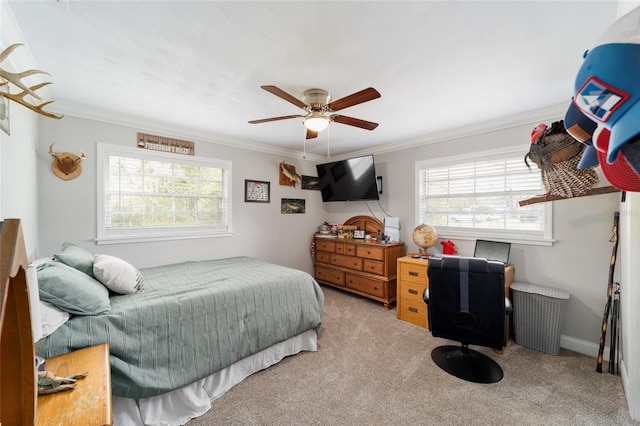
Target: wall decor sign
{"x":4,"y":110}
{"x":292,"y":205}
{"x":257,"y":191}
{"x":164,"y":144}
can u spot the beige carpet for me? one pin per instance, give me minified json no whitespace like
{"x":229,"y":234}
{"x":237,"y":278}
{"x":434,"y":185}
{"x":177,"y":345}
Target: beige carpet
{"x":373,"y":369}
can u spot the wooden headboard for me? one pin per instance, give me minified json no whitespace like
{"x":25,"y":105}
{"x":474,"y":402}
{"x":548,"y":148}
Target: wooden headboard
{"x":17,"y":355}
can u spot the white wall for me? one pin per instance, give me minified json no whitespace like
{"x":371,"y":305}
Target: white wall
{"x":18,"y":184}
{"x":69,"y":207}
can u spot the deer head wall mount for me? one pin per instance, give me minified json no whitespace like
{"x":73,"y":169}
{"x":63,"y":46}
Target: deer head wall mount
{"x":66,"y":165}
{"x":7,"y":77}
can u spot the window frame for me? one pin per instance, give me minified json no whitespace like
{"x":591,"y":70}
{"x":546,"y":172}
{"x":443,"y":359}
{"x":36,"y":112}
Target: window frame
{"x":104,"y":151}
{"x":546,"y":239}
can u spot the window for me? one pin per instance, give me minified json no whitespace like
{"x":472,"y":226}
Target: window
{"x":149,"y":195}
{"x":478,"y":197}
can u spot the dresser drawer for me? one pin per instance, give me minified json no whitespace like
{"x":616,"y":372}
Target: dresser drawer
{"x":370,"y":252}
{"x":373,"y":267}
{"x":329,"y":275}
{"x":323,"y":257}
{"x":350,"y":249}
{"x":365,"y":285}
{"x":416,"y":273}
{"x":412,"y":291}
{"x":322,"y":244}
{"x":347,"y":261}
{"x":413,"y":311}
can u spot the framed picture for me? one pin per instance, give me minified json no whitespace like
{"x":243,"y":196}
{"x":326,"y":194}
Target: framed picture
{"x":292,"y":205}
{"x":4,"y":111}
{"x":310,"y":182}
{"x":257,"y":191}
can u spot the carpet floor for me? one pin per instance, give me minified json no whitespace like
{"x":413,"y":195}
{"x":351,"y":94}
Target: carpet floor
{"x":373,"y":369}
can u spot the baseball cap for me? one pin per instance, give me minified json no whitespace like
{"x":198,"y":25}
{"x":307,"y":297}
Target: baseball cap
{"x":619,"y":173}
{"x":581,"y":128}
{"x":606,"y":86}
{"x":631,"y":152}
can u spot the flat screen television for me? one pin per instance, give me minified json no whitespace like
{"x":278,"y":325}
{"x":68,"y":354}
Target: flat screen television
{"x":348,"y":180}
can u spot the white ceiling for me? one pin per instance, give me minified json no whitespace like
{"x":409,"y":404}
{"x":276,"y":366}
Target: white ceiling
{"x":196,"y":67}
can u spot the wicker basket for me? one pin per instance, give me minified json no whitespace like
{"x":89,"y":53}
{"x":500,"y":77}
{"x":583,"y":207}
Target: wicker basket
{"x":538,"y":316}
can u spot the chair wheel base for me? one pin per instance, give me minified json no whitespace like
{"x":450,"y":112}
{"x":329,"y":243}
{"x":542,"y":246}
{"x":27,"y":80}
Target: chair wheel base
{"x":467,"y":364}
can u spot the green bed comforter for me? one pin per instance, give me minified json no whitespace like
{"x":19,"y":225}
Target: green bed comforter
{"x":193,"y":319}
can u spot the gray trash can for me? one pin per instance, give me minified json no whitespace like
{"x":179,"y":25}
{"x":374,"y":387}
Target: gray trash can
{"x":538,"y":314}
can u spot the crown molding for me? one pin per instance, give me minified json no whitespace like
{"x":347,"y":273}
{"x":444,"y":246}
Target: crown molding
{"x":108,"y":117}
{"x":531,"y":118}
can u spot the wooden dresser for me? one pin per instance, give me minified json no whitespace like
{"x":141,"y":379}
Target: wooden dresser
{"x":413,"y":280}
{"x":358,"y":266}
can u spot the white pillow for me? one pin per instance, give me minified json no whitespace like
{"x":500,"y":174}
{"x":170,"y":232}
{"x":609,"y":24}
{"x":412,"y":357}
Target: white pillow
{"x":51,"y":317}
{"x":116,"y":274}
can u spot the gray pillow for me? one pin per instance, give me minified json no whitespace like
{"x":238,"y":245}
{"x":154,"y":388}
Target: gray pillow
{"x":71,"y":290}
{"x":76,"y":257}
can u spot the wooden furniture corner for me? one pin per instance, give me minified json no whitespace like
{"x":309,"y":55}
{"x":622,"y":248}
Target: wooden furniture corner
{"x":89,"y":403}
{"x":17,"y":355}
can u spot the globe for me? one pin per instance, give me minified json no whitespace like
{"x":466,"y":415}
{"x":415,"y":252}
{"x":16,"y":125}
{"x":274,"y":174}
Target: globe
{"x":425,"y":236}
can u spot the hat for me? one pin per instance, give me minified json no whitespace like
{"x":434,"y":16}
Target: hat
{"x":619,"y":173}
{"x":631,"y":151}
{"x":581,"y":128}
{"x":606,"y":87}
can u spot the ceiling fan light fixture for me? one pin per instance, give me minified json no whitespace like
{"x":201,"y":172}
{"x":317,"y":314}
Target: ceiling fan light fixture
{"x":316,"y":122}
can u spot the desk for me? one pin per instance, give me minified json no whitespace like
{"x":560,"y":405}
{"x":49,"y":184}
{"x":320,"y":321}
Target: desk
{"x":89,"y":403}
{"x":413,"y":280}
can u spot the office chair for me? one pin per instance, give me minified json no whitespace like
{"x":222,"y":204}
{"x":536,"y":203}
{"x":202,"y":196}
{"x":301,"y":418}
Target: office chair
{"x":467,"y":303}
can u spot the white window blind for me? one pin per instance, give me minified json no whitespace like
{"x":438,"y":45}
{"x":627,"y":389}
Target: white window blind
{"x":145,"y":195}
{"x":478,"y":197}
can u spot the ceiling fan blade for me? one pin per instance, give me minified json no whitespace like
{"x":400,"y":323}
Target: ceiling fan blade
{"x":350,"y":121}
{"x":265,"y":120}
{"x":284,"y":95}
{"x":354,"y":99}
{"x":311,"y":134}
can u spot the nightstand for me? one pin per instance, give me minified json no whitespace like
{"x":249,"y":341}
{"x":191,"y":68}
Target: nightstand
{"x":412,"y":280}
{"x":89,"y":403}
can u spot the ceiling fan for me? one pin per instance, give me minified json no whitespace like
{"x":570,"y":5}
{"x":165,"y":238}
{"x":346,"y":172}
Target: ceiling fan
{"x":317,"y":103}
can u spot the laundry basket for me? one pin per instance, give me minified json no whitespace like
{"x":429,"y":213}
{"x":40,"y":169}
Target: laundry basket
{"x":538,"y":315}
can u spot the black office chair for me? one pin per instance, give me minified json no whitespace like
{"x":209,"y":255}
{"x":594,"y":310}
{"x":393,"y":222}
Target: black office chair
{"x":467,"y":303}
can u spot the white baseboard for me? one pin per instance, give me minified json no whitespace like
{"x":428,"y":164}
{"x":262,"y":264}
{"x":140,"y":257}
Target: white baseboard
{"x":583,"y":347}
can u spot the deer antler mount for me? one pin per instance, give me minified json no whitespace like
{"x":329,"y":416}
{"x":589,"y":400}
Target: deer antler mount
{"x":66,"y":165}
{"x":7,"y":77}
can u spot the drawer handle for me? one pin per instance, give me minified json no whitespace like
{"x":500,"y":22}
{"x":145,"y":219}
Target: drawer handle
{"x":412,"y":291}
{"x":414,"y":310}
{"x":413,"y":273}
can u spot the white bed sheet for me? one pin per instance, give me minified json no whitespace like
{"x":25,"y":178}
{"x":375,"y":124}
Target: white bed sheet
{"x":181,"y":405}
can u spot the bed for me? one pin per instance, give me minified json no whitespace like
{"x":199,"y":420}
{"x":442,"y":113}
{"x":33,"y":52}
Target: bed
{"x":188,"y":332}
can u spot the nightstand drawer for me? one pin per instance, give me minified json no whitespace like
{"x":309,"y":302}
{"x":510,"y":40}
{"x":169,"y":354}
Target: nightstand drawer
{"x":416,"y":273}
{"x":413,"y":311}
{"x":412,"y":291}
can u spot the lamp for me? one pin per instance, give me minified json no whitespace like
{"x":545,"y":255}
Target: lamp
{"x":316,"y":121}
